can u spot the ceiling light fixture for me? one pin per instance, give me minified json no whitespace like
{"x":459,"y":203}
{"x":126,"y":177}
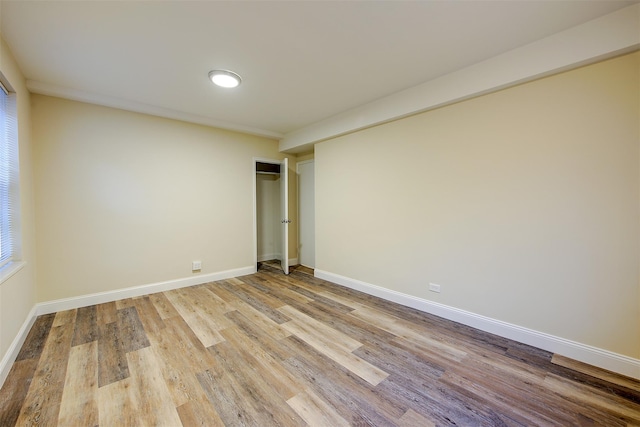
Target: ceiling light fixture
{"x":224,"y":78}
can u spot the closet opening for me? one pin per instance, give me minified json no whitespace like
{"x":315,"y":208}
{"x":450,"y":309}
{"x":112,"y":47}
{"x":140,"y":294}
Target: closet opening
{"x":270,"y":214}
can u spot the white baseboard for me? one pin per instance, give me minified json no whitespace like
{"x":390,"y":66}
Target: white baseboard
{"x":12,"y":352}
{"x":136,"y":291}
{"x":269,"y":257}
{"x":584,"y":353}
{"x":102,"y":297}
{"x":594,"y":356}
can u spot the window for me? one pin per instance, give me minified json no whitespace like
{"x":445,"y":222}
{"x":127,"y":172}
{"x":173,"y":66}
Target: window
{"x":8,"y":174}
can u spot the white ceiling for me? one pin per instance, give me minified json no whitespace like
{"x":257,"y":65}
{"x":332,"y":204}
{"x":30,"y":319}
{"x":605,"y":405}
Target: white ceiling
{"x":301,"y":62}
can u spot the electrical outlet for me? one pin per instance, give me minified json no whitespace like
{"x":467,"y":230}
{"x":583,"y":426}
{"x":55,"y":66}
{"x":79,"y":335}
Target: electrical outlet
{"x":196,"y":265}
{"x":434,"y":288}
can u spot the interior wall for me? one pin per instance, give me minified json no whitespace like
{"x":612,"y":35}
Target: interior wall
{"x":17,"y":293}
{"x":268,"y":217}
{"x":126,"y":199}
{"x":522,"y":204}
{"x":300,"y":158}
{"x":306,"y":213}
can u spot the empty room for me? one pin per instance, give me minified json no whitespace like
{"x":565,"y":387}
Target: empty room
{"x":322,"y":213}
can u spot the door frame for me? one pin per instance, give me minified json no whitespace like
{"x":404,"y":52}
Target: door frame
{"x":255,"y":205}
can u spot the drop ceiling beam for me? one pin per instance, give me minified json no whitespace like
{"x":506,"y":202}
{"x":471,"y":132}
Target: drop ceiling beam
{"x":593,"y":41}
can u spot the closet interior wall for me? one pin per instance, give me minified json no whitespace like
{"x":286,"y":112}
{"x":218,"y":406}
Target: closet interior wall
{"x":268,"y":216}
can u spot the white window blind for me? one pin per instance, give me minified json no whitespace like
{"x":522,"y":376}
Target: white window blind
{"x":8,"y":173}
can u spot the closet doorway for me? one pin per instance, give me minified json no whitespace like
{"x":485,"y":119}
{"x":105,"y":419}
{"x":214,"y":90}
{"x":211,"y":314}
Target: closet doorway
{"x":270,"y":214}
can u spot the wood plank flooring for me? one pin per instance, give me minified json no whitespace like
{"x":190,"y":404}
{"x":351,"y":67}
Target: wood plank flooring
{"x":274,"y":350}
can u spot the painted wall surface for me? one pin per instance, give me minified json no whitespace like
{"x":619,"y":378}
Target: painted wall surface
{"x":125,"y":199}
{"x":268,"y":219}
{"x":18,"y":293}
{"x":303,"y":157}
{"x":522,"y":204}
{"x":306,"y":213}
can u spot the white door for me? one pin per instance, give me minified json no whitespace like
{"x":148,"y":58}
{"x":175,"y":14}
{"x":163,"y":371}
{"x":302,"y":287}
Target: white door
{"x":306,"y":214}
{"x":284,"y":213}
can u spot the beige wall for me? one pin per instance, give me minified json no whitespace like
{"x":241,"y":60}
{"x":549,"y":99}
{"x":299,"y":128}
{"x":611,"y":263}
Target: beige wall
{"x":17,"y":294}
{"x":303,"y":157}
{"x":522,"y":204}
{"x":125,"y":199}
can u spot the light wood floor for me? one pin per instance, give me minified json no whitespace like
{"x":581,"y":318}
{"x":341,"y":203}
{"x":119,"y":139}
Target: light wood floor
{"x":268,"y":349}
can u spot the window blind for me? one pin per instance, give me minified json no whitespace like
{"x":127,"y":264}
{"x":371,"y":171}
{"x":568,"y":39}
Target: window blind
{"x":8,"y":174}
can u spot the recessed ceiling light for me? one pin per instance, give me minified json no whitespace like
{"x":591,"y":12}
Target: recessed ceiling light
{"x":224,"y":78}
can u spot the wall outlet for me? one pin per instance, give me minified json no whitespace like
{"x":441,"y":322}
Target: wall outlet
{"x":434,"y":288}
{"x":196,"y":266}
